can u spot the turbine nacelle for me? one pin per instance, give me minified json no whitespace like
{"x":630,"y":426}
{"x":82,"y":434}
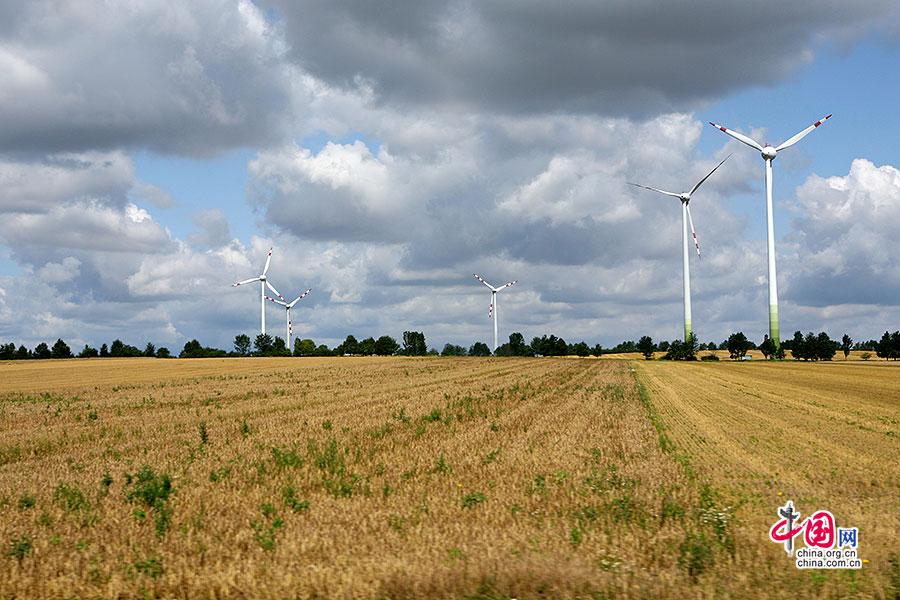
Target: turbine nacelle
{"x":769,"y":152}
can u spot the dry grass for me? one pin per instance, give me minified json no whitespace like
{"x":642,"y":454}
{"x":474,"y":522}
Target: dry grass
{"x":822,"y":434}
{"x":437,"y":478}
{"x":395,"y":478}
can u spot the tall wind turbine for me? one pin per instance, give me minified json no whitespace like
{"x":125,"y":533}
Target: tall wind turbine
{"x":263,"y":282}
{"x":686,"y":219}
{"x":493,"y":310}
{"x":768,"y":153}
{"x":288,"y":306}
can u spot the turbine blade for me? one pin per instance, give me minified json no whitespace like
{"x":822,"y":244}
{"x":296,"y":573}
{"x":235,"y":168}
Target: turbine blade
{"x":276,"y":301}
{"x":691,"y":193}
{"x":484,"y":282}
{"x":691,"y":222}
{"x":291,"y":305}
{"x":739,"y":136}
{"x":801,"y":135}
{"x":647,"y":187}
{"x":268,"y":260}
{"x":508,"y":284}
{"x":274,"y":291}
{"x":245,"y":282}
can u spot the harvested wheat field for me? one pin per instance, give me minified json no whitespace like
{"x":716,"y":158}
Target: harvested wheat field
{"x":824,"y":435}
{"x":438,"y":477}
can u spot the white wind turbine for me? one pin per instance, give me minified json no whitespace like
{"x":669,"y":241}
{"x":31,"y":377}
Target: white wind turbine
{"x":262,"y":293}
{"x":686,"y":220}
{"x":493,"y":310}
{"x":768,"y":153}
{"x":288,"y":306}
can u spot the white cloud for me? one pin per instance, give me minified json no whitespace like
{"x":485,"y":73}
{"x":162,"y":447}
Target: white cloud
{"x":845,"y":233}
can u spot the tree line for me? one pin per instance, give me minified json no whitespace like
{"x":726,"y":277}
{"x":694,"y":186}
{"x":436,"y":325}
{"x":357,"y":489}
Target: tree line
{"x":810,"y":346}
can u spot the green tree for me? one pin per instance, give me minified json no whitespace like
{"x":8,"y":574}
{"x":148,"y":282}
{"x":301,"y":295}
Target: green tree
{"x":41,"y":351}
{"x":7,"y":351}
{"x":305,"y":347}
{"x":192,"y":349}
{"x":150,"y":350}
{"x":685,"y":350}
{"x":888,"y":347}
{"x":738,"y":345}
{"x":646,"y":347}
{"x":61,"y":349}
{"x":350,"y":346}
{"x":242,"y":344}
{"x":322,"y":350}
{"x":163,"y":352}
{"x":479,"y":349}
{"x":846,"y":345}
{"x":263,"y":344}
{"x":88,"y":352}
{"x":367,"y":346}
{"x":104,"y":351}
{"x":279,"y":348}
{"x":767,"y":347}
{"x":386,"y":346}
{"x":414,"y":343}
{"x":23,"y":353}
{"x":453,"y":350}
{"x":580,"y":349}
{"x":826,"y":348}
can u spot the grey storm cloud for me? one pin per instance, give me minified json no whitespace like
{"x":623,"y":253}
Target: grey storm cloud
{"x":509,"y":56}
{"x":186,"y":78}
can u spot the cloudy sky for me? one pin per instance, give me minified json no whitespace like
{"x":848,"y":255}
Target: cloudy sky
{"x":151,"y":153}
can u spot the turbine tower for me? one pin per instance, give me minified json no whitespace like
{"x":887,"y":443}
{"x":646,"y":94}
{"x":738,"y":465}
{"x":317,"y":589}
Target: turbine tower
{"x":493,"y":310}
{"x":262,"y":292}
{"x":686,"y":219}
{"x":288,"y":306}
{"x":768,"y":153}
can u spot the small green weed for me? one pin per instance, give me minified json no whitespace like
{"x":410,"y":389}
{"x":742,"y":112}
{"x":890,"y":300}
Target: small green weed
{"x":473,"y":499}
{"x":20,"y":547}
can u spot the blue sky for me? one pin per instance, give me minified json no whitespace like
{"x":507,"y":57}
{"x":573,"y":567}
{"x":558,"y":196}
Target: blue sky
{"x":387,"y":155}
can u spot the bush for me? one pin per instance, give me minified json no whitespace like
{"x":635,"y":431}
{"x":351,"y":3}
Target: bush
{"x":709,"y":357}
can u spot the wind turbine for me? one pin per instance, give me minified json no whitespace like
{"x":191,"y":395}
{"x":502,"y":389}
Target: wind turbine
{"x":493,"y":310}
{"x":288,"y":307}
{"x":686,"y":219}
{"x":768,"y":153}
{"x":263,"y":282}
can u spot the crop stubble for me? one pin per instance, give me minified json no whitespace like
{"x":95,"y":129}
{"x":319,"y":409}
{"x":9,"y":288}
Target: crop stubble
{"x":353,"y":477}
{"x":403,"y":478}
{"x":824,"y":435}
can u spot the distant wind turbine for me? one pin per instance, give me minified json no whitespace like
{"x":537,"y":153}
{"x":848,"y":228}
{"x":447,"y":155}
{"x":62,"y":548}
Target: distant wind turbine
{"x":768,"y":153}
{"x":262,"y":293}
{"x":493,"y":310}
{"x":288,"y":306}
{"x":686,"y":219}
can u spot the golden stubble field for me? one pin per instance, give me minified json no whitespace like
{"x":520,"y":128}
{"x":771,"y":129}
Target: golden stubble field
{"x":437,"y":477}
{"x":825,"y":435}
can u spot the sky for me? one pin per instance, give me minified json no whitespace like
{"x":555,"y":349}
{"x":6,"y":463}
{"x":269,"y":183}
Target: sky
{"x":151,"y":153}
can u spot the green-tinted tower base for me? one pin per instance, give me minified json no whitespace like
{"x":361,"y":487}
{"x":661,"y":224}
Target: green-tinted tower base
{"x":773,"y":325}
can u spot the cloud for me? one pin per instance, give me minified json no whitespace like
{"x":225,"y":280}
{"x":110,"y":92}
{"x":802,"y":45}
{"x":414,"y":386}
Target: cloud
{"x":36,"y":186}
{"x":513,"y":57}
{"x":142,"y":191}
{"x":845,"y":231}
{"x":191,"y":79}
{"x":215,"y":231}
